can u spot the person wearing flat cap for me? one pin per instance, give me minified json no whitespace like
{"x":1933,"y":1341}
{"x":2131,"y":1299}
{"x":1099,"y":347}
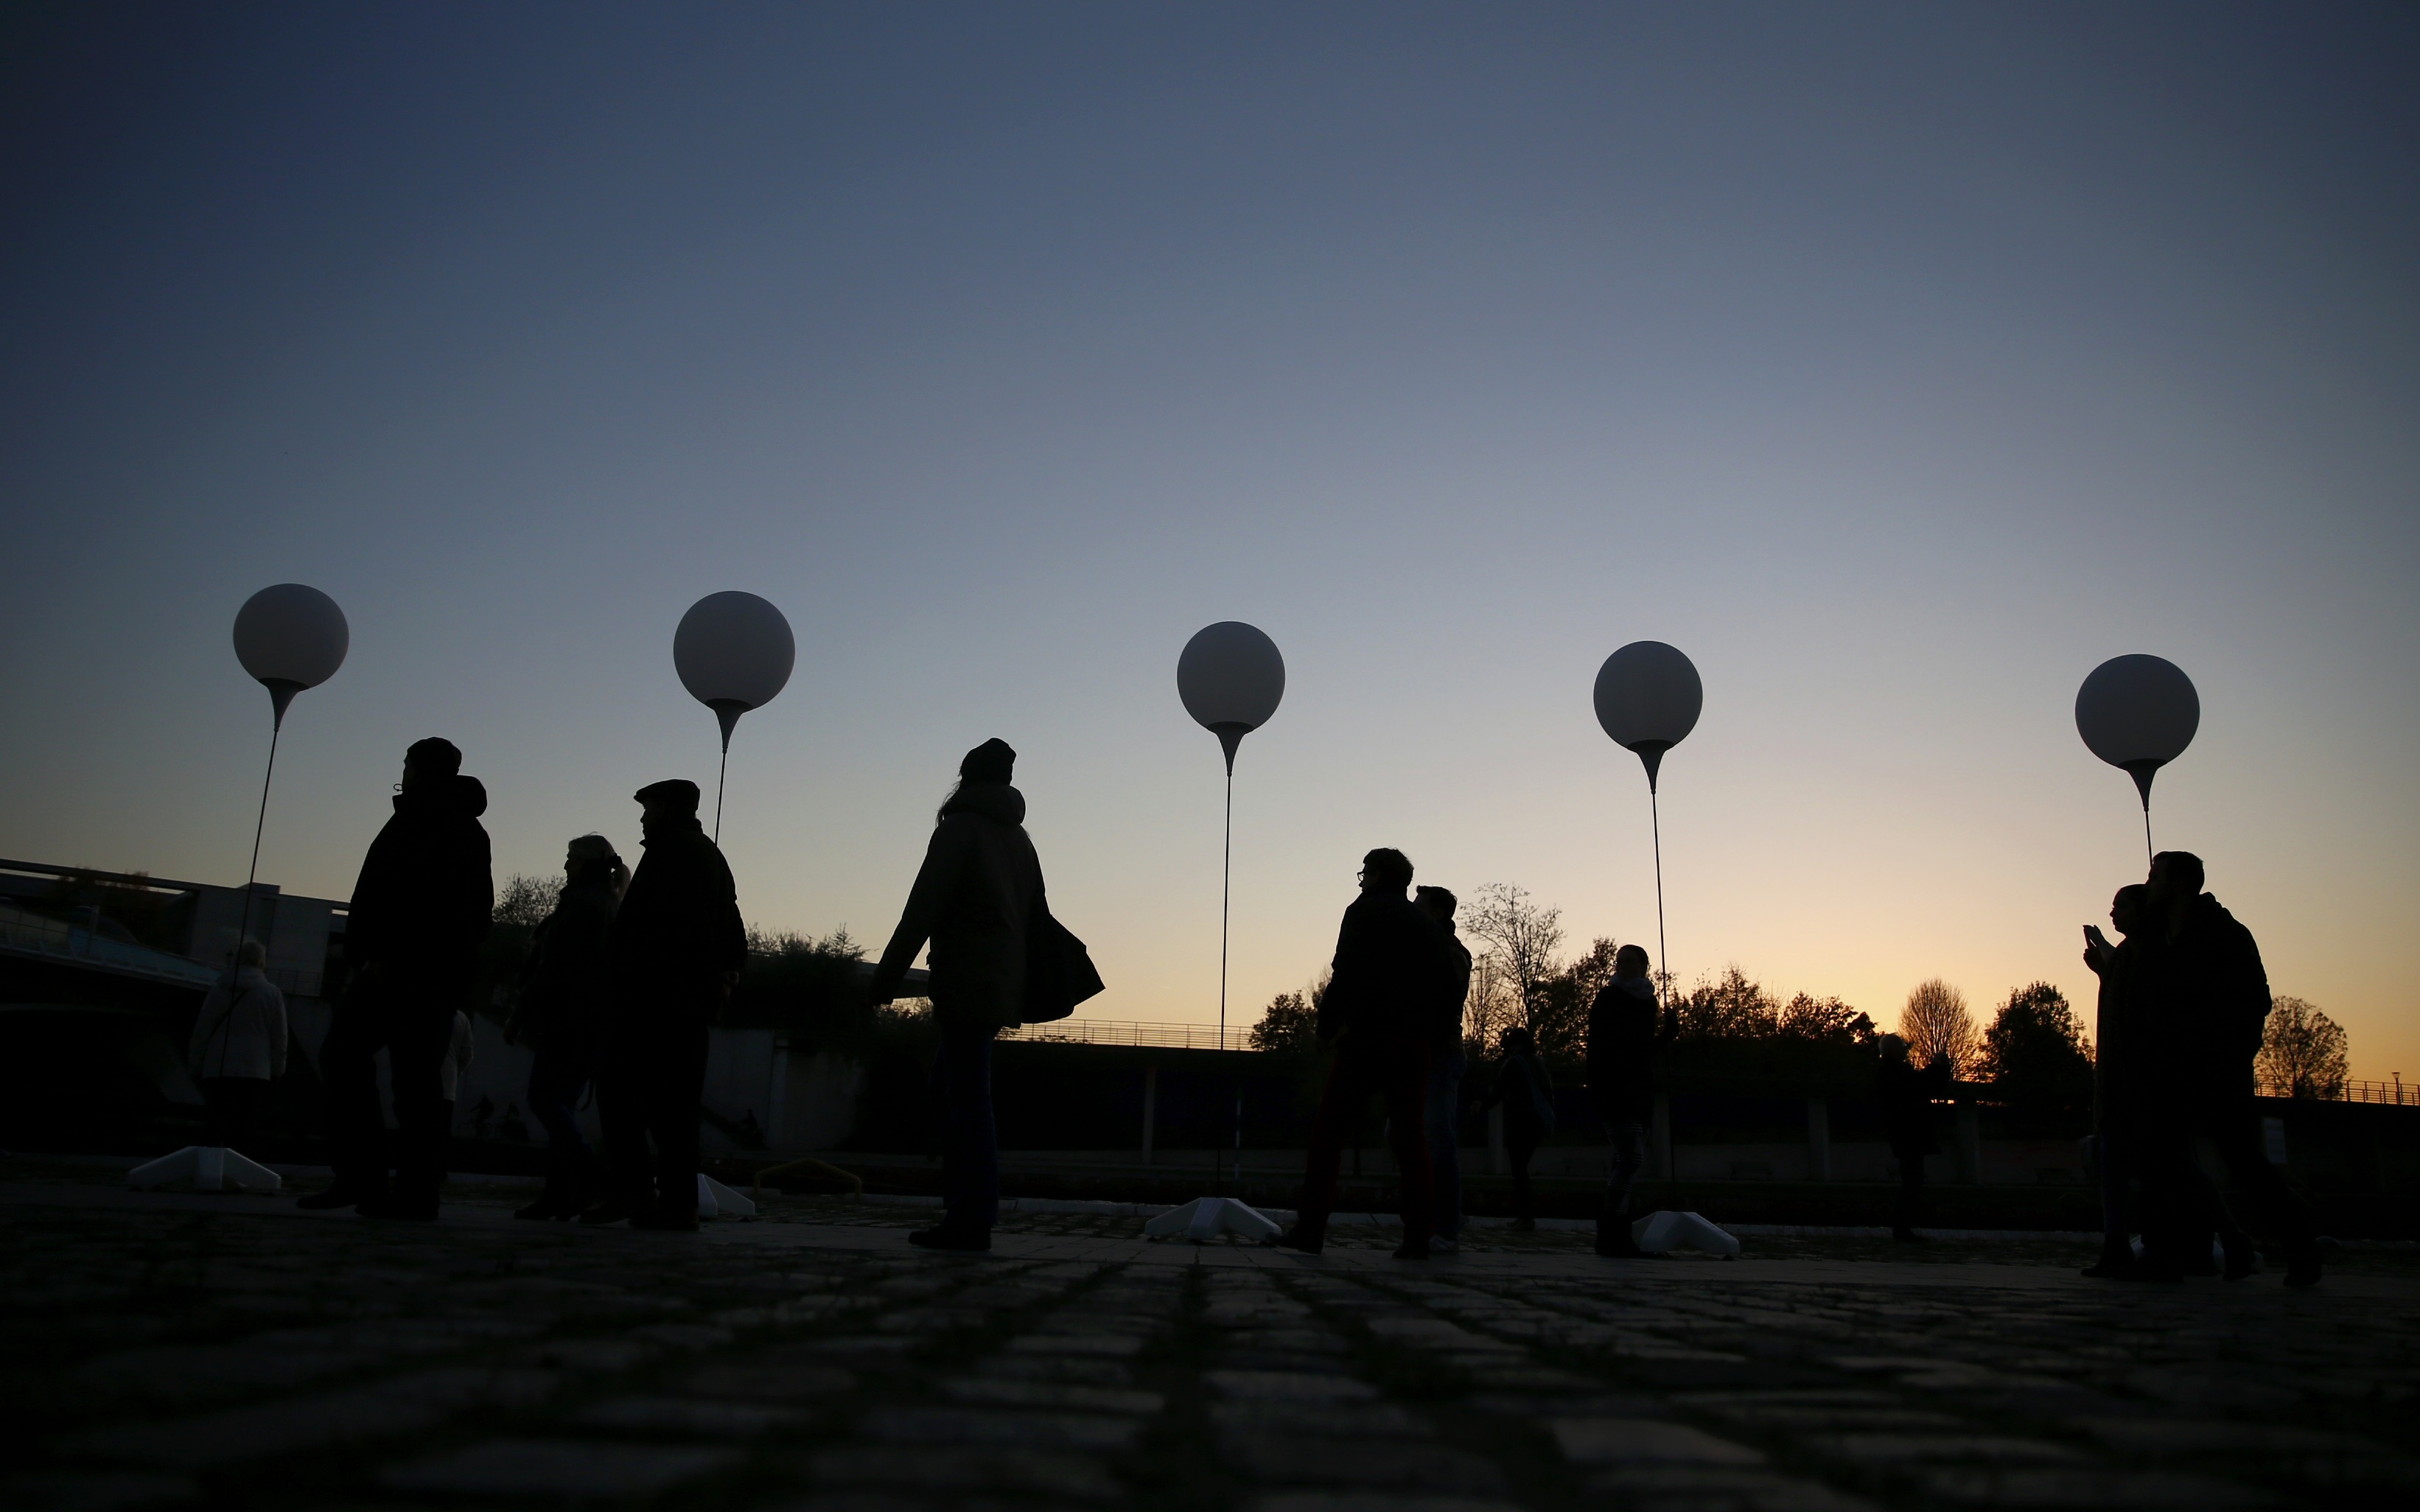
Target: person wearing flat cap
{"x":973,"y":901}
{"x":674,"y":952}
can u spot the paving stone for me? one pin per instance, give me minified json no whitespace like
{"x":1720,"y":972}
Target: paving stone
{"x":696,"y":1418}
{"x":767,"y":1380}
{"x":1717,"y":1489}
{"x":1289,"y":1460}
{"x":593,"y":1357}
{"x":960,"y":1467}
{"x":1288,"y":1385}
{"x":403,"y":1404}
{"x":978,"y":1425}
{"x":1921,"y":1448}
{"x":1375,"y":1502}
{"x":1004,"y":1391}
{"x":70,"y":1490}
{"x":1597,"y":1440}
{"x":559,"y":1470}
{"x":1106,"y":1346}
{"x":2076,"y":1487}
{"x":1070,"y":1368}
{"x":1349,"y":1420}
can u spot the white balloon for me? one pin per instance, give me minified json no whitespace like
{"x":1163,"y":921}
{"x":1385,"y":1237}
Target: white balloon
{"x":1648,"y":698}
{"x":1230,"y":678}
{"x":2138,"y":713}
{"x":734,"y":651}
{"x":290,"y":637}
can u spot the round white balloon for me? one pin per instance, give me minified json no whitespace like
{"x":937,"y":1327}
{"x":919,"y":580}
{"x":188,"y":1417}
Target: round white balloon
{"x":292,"y":637}
{"x":2137,"y":712}
{"x":1231,"y":677}
{"x":734,"y":651}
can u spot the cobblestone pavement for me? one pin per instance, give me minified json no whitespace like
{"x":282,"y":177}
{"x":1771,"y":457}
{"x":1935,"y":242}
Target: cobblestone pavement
{"x":232,"y":1353}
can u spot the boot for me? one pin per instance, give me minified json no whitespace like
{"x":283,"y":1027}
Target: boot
{"x":551,"y":1203}
{"x":944,"y":1236}
{"x":2117,"y":1263}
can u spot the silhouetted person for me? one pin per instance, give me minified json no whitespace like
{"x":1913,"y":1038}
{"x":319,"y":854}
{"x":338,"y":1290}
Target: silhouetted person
{"x":974,"y":901}
{"x":455,"y":1066}
{"x":1380,"y":1010}
{"x":561,"y":1015}
{"x":2204,"y":994}
{"x":239,"y":1046}
{"x":412,"y":944}
{"x":1624,"y":1032}
{"x":2121,"y":1081}
{"x":1906,"y":1094}
{"x":674,"y":952}
{"x":1526,"y":1095}
{"x":1446,"y":1068}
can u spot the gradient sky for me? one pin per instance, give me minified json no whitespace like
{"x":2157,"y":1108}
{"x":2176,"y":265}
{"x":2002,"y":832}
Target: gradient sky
{"x":1898,"y":364}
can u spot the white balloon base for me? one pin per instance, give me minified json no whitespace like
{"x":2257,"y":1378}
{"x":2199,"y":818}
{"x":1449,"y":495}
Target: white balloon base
{"x":1660,"y":1233}
{"x":716,"y":1200}
{"x":205,"y":1168}
{"x":1205,"y":1218}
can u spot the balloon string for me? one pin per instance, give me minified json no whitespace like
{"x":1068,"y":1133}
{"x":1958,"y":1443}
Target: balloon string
{"x":243,"y":925}
{"x":1226,"y":878}
{"x":721,"y":772}
{"x":1663,"y":968}
{"x":2147,"y":853}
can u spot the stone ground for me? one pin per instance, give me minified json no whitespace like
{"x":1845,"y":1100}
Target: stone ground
{"x":163,"y":1351}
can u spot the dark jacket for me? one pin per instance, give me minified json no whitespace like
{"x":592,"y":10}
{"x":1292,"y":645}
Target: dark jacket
{"x":1528,"y":1095}
{"x":1906,"y":1093}
{"x":425,"y":897}
{"x":974,"y":900}
{"x":2122,"y":1073}
{"x":1623,"y":1036}
{"x":1454,"y":990}
{"x":564,"y":986}
{"x":1391,"y":971}
{"x":679,"y":932}
{"x":2205,"y":995}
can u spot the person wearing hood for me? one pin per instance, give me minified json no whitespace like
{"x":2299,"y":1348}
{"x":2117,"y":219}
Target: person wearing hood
{"x":1447,"y":1066}
{"x":412,"y":930}
{"x":674,"y":953}
{"x":2200,"y":987}
{"x":973,"y":901}
{"x":239,"y":1046}
{"x":560,"y":1014}
{"x":1381,"y":1008}
{"x":1624,"y":1033}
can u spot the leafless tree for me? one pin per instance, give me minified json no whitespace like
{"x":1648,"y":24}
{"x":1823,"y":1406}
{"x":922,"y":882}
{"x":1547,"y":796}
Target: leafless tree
{"x":1935,"y":1023}
{"x":1492,"y":1007}
{"x":2304,"y":1052}
{"x":1521,"y":939}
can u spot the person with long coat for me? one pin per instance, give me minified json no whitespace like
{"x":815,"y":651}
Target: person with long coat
{"x":1624,"y":1034}
{"x":1380,"y":1010}
{"x":674,"y":952}
{"x":975,"y":903}
{"x":560,"y":1014}
{"x":1906,"y":1093}
{"x":1526,"y":1094}
{"x":412,"y":930}
{"x":239,"y":1046}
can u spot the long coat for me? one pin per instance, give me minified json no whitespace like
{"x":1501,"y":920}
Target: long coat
{"x":565,"y":986}
{"x":1623,"y":1037}
{"x":973,"y":901}
{"x":426,"y":893}
{"x":678,"y":934}
{"x":1391,"y":971}
{"x":240,"y":1030}
{"x":2205,"y":995}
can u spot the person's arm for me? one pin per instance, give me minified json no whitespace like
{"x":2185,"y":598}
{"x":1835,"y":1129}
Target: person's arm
{"x":272,"y":1017}
{"x":1344,"y":978}
{"x":216,"y":1005}
{"x":944,"y":857}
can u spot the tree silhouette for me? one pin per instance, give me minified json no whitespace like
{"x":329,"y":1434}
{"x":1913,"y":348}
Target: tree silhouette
{"x":1522,"y":938}
{"x":1935,"y":1024}
{"x":2304,"y":1053}
{"x":2033,"y":1051}
{"x":1289,"y":1025}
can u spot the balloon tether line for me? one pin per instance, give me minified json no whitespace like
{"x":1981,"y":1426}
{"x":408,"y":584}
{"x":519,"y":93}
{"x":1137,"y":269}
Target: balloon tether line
{"x":1662,"y":967}
{"x":2149,"y":854}
{"x":1226,"y":880}
{"x":243,"y":925}
{"x":721,"y":772}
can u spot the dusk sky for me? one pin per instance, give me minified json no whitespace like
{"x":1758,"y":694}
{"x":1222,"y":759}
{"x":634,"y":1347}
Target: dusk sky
{"x":1899,"y":364}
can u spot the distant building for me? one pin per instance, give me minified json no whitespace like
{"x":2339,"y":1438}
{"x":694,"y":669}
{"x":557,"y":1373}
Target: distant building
{"x":152,"y":930}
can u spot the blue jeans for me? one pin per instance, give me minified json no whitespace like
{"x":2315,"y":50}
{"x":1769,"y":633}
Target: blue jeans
{"x":1445,"y":1154}
{"x":969,"y":1140}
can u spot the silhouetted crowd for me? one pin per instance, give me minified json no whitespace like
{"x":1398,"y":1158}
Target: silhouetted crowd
{"x":630,"y":969}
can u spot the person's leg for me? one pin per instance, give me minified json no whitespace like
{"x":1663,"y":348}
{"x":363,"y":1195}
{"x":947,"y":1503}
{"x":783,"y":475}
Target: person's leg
{"x":969,"y":1137}
{"x":622,"y":1113}
{"x":1406,"y":1089}
{"x":677,"y":1083}
{"x":356,"y":1129}
{"x":2234,"y":1129}
{"x":1445,"y":1140}
{"x":558,"y":1070}
{"x":420,"y":1032}
{"x":2116,"y":1148}
{"x":1626,"y":1156}
{"x":1518,"y":1150}
{"x":1340,"y":1103}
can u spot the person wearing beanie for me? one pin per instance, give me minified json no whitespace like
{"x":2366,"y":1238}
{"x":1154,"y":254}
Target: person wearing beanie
{"x":412,"y":949}
{"x":675,"y":953}
{"x":973,"y":901}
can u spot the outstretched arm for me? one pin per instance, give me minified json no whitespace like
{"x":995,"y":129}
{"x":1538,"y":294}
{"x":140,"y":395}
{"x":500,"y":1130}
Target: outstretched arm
{"x":925,"y":900}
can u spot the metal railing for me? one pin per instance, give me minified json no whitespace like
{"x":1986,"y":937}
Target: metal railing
{"x":29,"y":934}
{"x":1129,"y":1032}
{"x":2393,"y":1093}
